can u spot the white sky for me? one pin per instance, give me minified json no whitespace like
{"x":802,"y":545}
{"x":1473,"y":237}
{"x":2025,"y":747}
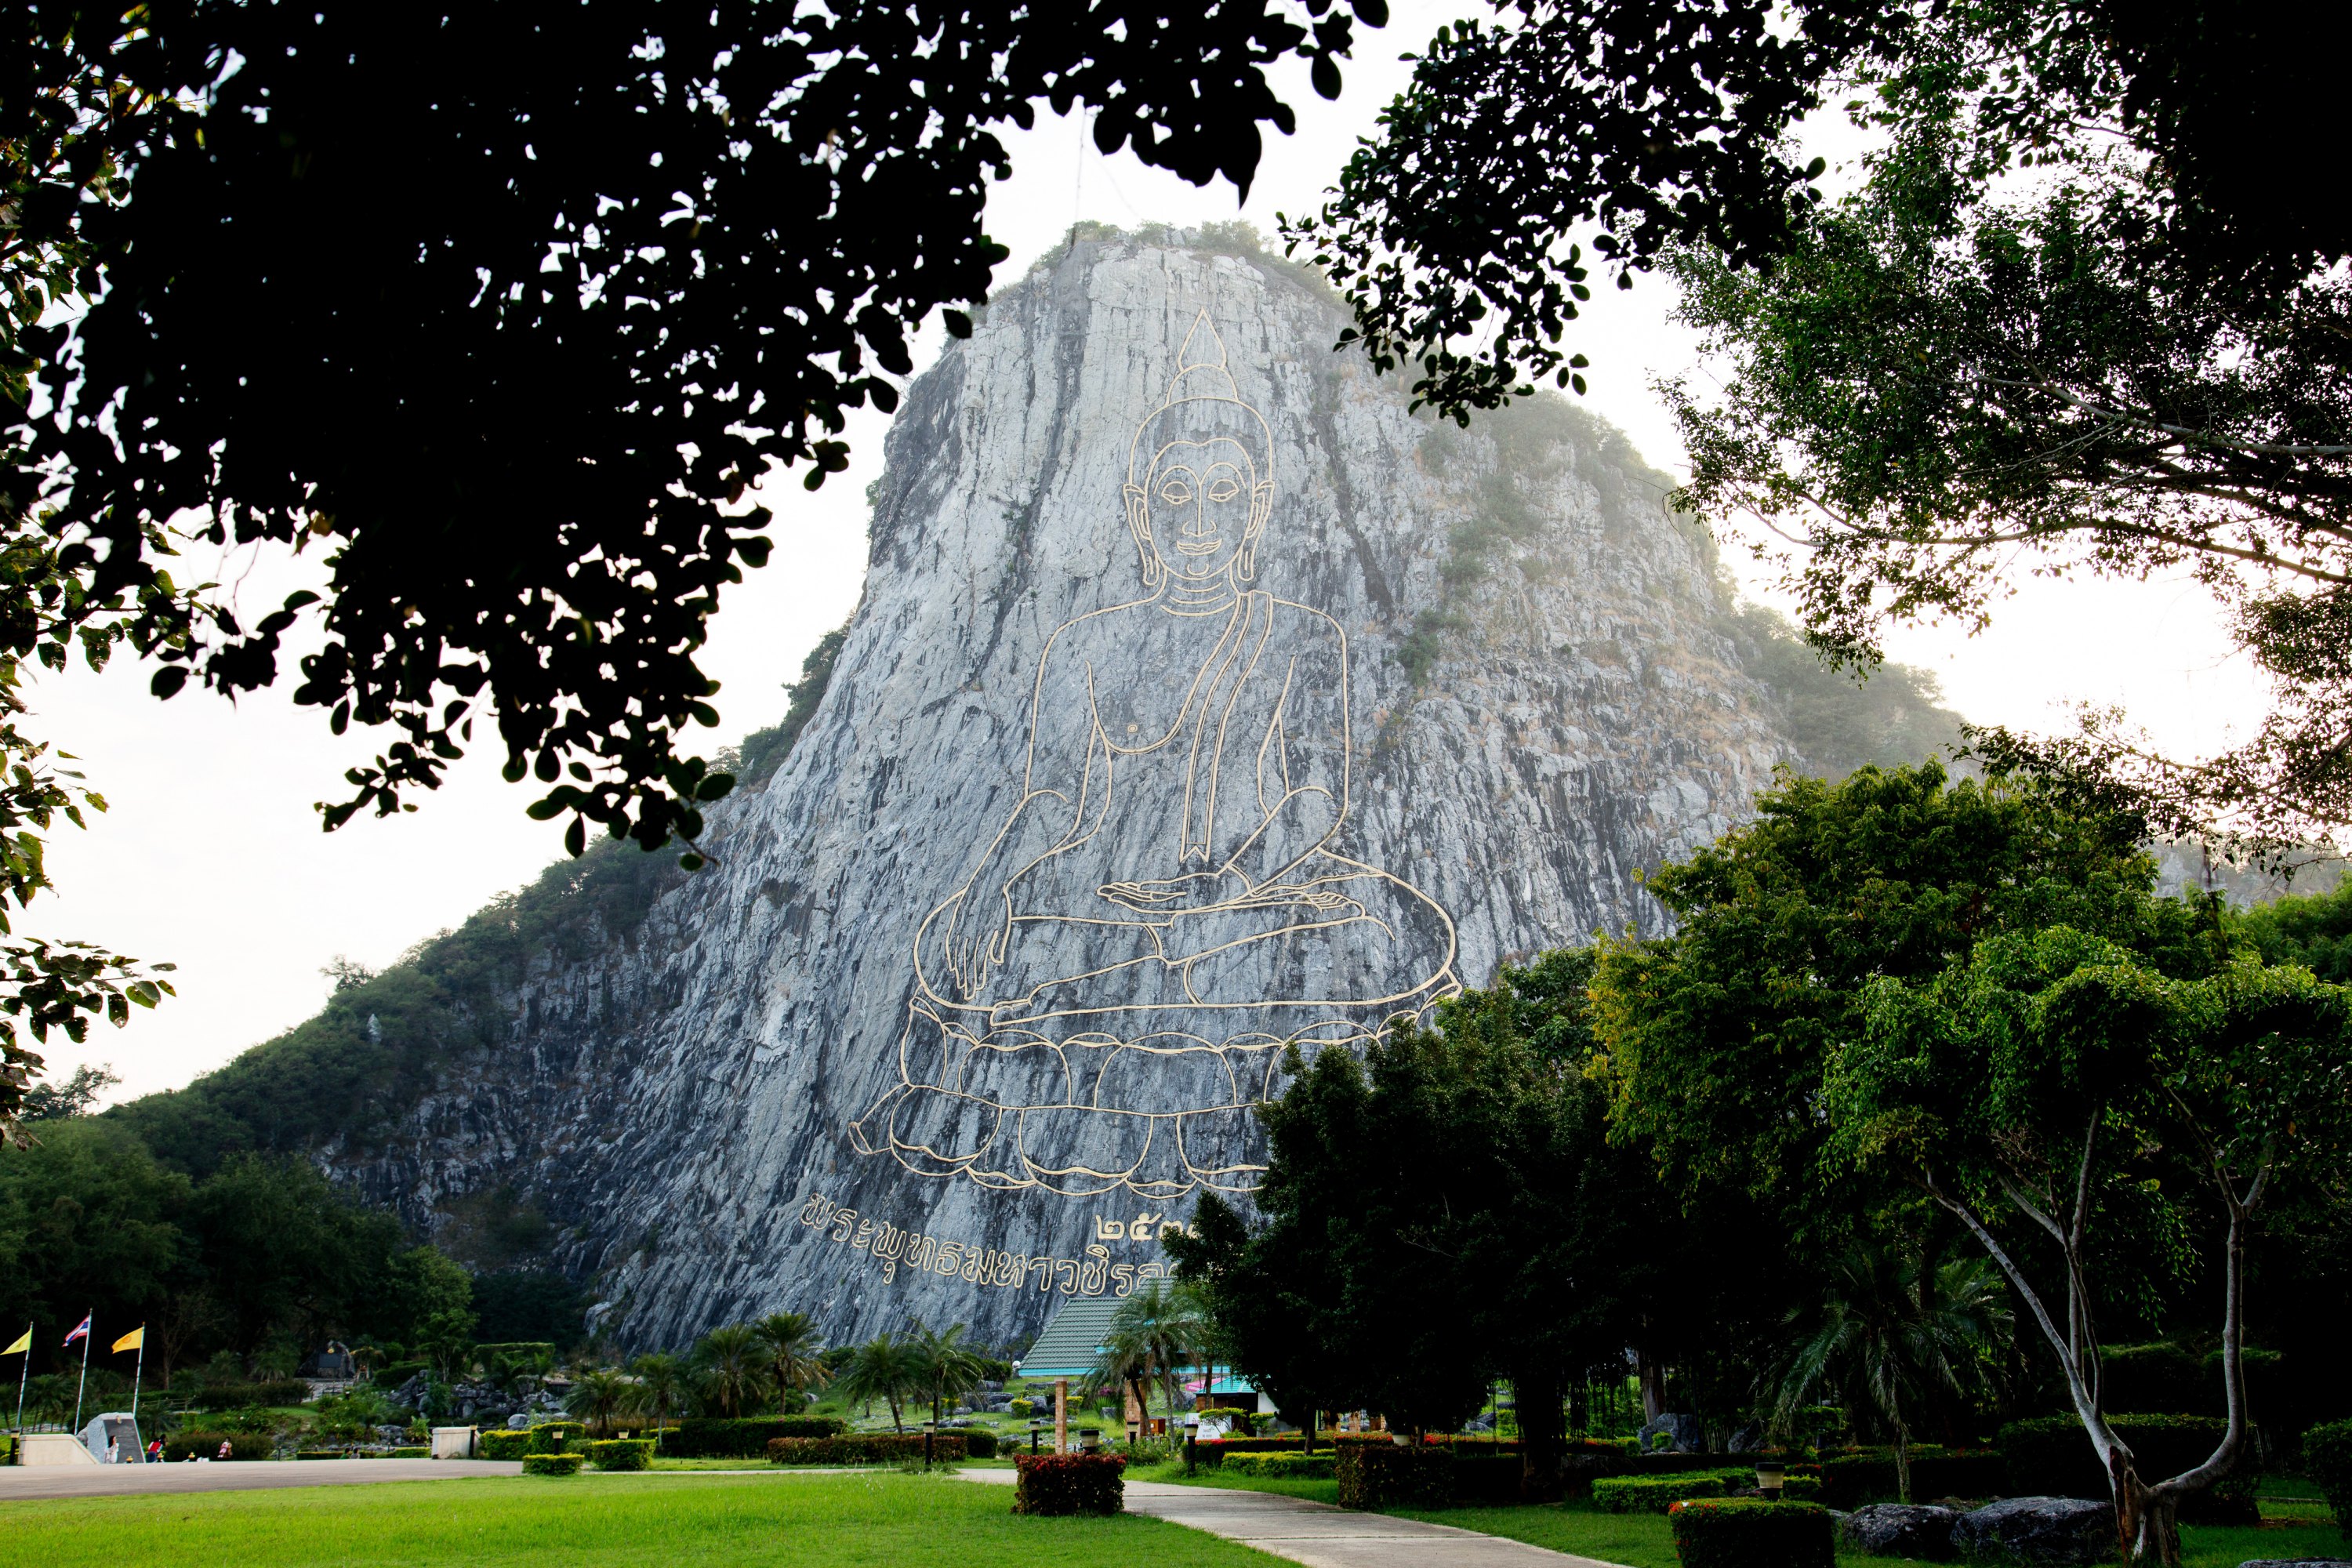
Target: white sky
{"x":212,"y":857}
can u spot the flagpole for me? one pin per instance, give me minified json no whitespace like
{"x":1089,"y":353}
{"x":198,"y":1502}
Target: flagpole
{"x":21,"y":1376}
{"x":138,"y":1373}
{"x":86,"y":1337}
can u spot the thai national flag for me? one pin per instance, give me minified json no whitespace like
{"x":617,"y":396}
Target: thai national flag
{"x":80,"y":1333}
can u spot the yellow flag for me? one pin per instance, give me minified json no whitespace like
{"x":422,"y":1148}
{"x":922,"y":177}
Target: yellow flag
{"x":134,"y":1340}
{"x":24,"y":1343}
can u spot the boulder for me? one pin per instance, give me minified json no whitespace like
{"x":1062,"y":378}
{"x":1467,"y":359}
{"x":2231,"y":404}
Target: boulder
{"x":1683,"y":1434}
{"x":1901,"y":1529}
{"x":2048,"y":1532}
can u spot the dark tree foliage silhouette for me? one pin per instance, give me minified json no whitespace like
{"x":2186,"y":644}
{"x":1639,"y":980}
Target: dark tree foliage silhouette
{"x":504,"y":306}
{"x":500,"y":309}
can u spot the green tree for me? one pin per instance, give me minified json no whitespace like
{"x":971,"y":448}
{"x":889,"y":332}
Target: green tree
{"x":1890,"y":1331}
{"x":599,"y":1396}
{"x":730,"y":1361}
{"x":2052,"y":1083}
{"x":88,"y":1219}
{"x":1713,"y":1041}
{"x":790,"y":1342}
{"x":947,"y":1367}
{"x":1158,"y":1330}
{"x":289,"y":1256}
{"x":661,"y":1385}
{"x":426,"y":1283}
{"x":447,"y":1338}
{"x":1446,"y":1212}
{"x":886,"y":1368}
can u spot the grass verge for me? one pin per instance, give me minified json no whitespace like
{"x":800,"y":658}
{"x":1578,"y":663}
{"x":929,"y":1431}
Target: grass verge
{"x":1646,"y":1540}
{"x":877,"y":1521}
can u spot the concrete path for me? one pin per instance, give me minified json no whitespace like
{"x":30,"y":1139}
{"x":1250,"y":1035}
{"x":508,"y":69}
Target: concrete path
{"x":1322,"y":1536}
{"x":232,"y":1476}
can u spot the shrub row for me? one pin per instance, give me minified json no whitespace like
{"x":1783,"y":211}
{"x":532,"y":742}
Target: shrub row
{"x":551,"y":1464}
{"x":1069,"y":1483}
{"x":206,"y":1445}
{"x":1384,"y":1475}
{"x":502,"y":1445}
{"x":1298,"y":1467}
{"x":1658,"y":1494}
{"x":237,"y":1395}
{"x":2050,"y":1456}
{"x":863,"y":1449}
{"x":2327,"y":1461}
{"x":745,"y":1437}
{"x":1851,"y":1480}
{"x":410,"y":1454}
{"x":622,"y":1454}
{"x":1752,"y":1533}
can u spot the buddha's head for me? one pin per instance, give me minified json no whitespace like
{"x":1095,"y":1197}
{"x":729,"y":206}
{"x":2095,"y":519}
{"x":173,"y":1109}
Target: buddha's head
{"x":1200,"y":477}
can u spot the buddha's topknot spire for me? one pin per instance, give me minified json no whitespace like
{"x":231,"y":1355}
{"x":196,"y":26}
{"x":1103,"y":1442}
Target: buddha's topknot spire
{"x":1201,"y":365}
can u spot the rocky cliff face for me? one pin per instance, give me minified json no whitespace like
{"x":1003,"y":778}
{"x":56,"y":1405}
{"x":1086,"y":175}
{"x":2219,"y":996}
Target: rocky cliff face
{"x":1201,"y":699}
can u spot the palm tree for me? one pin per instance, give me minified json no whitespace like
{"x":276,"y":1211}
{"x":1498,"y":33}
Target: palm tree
{"x":520,"y":1371}
{"x":599,"y":1396}
{"x":1156,"y":1332}
{"x":792,"y":1355}
{"x":733,"y":1367}
{"x":1890,"y":1329}
{"x":661,"y":1386}
{"x":887,"y":1368}
{"x":946,"y":1367}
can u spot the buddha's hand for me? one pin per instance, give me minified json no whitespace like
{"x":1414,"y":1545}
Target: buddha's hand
{"x":975,"y":947}
{"x":1196,"y":890}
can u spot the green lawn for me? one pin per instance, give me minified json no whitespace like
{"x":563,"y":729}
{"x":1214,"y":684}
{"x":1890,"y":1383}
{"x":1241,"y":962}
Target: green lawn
{"x":1312,"y":1491}
{"x":1646,"y":1541}
{"x":878,"y":1521}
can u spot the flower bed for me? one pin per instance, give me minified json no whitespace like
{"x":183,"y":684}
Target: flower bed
{"x":1069,"y":1483}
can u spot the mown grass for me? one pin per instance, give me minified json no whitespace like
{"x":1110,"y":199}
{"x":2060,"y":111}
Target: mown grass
{"x":1646,"y":1540}
{"x":883,"y":1519}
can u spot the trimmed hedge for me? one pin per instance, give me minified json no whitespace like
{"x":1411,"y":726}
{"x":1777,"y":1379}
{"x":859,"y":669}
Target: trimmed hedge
{"x":745,"y":1437}
{"x":2327,"y":1459}
{"x":551,"y":1464}
{"x":8,"y":1447}
{"x":1752,"y":1533}
{"x":556,"y":1437}
{"x":1298,"y":1467}
{"x":1851,"y":1479}
{"x":321,"y":1454}
{"x":1069,"y":1483}
{"x":863,"y":1449}
{"x":622,"y":1454}
{"x":410,"y":1454}
{"x":1384,"y":1475}
{"x":980,"y":1443}
{"x":206,"y":1445}
{"x":506,"y":1445}
{"x":237,"y":1395}
{"x":2052,"y":1456}
{"x":1658,"y":1494}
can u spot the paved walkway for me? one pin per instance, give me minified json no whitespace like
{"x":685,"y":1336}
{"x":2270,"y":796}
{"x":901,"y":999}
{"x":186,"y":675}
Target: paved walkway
{"x":1322,"y":1536}
{"x":232,"y":1476}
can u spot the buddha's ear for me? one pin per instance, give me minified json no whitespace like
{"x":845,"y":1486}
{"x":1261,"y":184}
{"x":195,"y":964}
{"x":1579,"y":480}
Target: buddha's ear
{"x":1139,"y":524}
{"x":1261,"y":507}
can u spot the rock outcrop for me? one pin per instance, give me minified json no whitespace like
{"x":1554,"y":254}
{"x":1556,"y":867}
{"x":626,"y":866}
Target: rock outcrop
{"x":1202,"y":698}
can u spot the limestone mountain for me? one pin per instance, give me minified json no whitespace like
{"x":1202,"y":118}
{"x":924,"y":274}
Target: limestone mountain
{"x":1202,"y":701}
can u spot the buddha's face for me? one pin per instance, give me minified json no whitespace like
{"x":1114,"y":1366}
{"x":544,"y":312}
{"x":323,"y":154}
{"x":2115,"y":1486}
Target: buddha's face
{"x":1200,"y":508}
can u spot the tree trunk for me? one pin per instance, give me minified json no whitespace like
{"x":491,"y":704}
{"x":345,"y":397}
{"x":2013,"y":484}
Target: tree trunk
{"x":1652,"y":1376}
{"x":1902,"y":1463}
{"x":1537,"y":1397}
{"x":896,"y":1424}
{"x":1579,"y":1406}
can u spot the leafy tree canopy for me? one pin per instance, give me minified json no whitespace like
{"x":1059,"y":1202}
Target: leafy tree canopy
{"x":1713,"y":1041}
{"x":2052,"y":1084}
{"x":1441,"y":1215}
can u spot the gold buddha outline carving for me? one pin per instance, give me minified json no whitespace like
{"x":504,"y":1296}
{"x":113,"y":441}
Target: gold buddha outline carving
{"x":1011,"y":1057}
